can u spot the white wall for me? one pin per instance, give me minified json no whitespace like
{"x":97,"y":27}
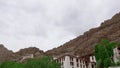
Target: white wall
{"x":116,"y":55}
{"x":67,"y":59}
{"x":92,"y":62}
{"x":66,"y":63}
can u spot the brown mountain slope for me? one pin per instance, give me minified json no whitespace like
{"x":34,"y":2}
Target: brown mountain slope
{"x":84,"y":44}
{"x":6,"y":54}
{"x":31,"y":50}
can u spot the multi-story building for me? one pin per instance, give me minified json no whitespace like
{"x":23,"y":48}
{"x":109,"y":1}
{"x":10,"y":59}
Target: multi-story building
{"x":90,"y":60}
{"x":92,"y":63}
{"x":69,"y":61}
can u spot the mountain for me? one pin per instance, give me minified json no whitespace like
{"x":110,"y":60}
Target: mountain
{"x":80,"y":46}
{"x":84,"y":44}
{"x":31,"y":50}
{"x":6,"y":54}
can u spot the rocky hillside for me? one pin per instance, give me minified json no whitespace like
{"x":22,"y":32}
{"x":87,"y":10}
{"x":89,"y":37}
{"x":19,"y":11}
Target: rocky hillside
{"x":31,"y":50}
{"x":84,"y":44}
{"x":6,"y":54}
{"x":80,"y":46}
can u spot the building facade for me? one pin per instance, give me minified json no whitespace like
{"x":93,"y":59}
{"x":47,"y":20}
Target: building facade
{"x":92,"y":63}
{"x":27,"y":56}
{"x":68,"y":61}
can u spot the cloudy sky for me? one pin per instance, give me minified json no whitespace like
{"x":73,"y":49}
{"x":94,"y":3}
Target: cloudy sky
{"x":50,"y":23}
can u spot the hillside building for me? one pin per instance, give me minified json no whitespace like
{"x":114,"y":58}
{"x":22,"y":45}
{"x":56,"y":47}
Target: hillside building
{"x":92,"y":63}
{"x":69,"y":61}
{"x":27,"y":56}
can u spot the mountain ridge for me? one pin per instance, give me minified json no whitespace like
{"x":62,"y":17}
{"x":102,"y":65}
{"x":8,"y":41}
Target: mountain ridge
{"x":79,"y":46}
{"x":83,"y":44}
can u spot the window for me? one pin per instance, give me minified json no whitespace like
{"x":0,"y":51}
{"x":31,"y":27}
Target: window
{"x":71,"y":58}
{"x":86,"y":62}
{"x":71,"y":63}
{"x":77,"y":65}
{"x":92,"y":66}
{"x":81,"y":65}
{"x":80,"y":61}
{"x":76,"y":60}
{"x":92,"y":58}
{"x":118,"y":48}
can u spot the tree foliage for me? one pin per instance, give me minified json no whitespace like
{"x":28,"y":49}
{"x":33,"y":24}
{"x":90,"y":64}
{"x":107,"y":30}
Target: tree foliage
{"x":103,"y":53}
{"x":10,"y":64}
{"x":46,"y":62}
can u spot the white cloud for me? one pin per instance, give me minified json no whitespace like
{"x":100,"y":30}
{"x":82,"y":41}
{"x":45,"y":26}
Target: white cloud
{"x":50,"y":23}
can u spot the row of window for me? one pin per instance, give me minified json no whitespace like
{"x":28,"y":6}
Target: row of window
{"x":71,"y":60}
{"x":75,"y":62}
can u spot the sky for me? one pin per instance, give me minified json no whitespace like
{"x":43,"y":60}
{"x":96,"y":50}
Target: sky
{"x":47,"y":24}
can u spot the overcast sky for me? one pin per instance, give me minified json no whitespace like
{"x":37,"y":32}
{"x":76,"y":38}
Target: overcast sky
{"x":50,"y":23}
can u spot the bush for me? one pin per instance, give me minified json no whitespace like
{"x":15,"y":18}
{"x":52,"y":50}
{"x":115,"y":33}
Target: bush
{"x":46,"y":62}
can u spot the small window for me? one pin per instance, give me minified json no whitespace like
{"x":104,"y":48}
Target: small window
{"x":81,"y":65}
{"x":77,"y":65}
{"x":71,"y":58}
{"x":92,"y":66}
{"x":71,"y":63}
{"x":118,"y":48}
{"x":76,"y":60}
{"x":92,"y":58}
{"x":119,"y":53}
{"x":80,"y":61}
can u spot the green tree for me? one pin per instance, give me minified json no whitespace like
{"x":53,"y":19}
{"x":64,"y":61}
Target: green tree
{"x":11,"y":64}
{"x":103,"y":53}
{"x":45,"y":62}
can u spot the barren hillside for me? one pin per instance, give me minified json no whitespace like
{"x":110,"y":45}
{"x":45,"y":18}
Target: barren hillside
{"x":84,"y":44}
{"x":80,"y":46}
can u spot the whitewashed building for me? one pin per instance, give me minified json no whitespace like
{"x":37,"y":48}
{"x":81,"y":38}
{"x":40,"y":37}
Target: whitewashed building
{"x":92,"y":63}
{"x":27,"y":56}
{"x":69,"y":61}
{"x":116,"y":55}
